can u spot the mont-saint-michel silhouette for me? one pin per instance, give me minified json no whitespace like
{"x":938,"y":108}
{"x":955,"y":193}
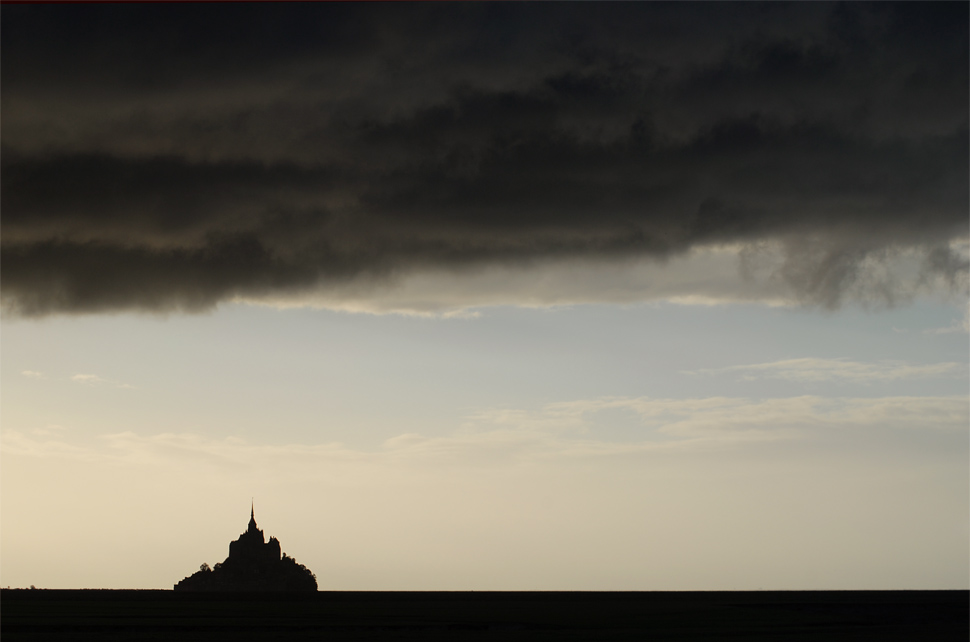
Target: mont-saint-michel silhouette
{"x":253,"y":565}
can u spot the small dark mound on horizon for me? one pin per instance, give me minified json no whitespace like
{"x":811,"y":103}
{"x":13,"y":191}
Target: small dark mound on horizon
{"x":253,"y":565}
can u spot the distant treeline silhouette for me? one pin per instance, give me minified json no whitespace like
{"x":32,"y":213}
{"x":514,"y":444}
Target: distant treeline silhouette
{"x":253,"y":565}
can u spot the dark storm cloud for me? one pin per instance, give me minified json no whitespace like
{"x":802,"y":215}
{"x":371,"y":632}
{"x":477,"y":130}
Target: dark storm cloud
{"x":172,"y":156}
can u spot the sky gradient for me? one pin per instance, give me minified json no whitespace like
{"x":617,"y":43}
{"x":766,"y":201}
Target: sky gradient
{"x":487,"y":296}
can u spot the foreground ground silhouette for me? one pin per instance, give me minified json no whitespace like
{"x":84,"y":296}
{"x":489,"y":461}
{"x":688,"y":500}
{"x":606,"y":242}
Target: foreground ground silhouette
{"x":253,"y":565}
{"x":883,"y":616}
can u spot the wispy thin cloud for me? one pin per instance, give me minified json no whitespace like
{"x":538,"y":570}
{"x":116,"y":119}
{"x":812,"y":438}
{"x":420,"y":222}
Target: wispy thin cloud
{"x":960,"y":325}
{"x":32,"y":374}
{"x":50,"y":429}
{"x":810,"y":369}
{"x":95,"y":380}
{"x":556,"y":432}
{"x":87,"y":378}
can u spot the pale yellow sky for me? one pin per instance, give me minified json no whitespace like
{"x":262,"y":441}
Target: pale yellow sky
{"x":595,"y":447}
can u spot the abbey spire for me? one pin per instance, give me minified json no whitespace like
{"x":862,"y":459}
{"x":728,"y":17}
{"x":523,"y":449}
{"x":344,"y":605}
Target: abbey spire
{"x":252,"y":518}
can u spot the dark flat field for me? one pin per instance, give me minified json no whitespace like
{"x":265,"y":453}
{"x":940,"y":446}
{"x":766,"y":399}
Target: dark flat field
{"x":791,"y":615}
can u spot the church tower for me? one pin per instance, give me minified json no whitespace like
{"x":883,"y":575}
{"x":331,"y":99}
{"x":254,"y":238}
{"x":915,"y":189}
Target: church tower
{"x":252,"y":519}
{"x":252,"y":543}
{"x":253,"y":565}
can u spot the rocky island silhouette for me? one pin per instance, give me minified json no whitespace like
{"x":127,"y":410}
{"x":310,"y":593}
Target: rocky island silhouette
{"x":253,"y":565}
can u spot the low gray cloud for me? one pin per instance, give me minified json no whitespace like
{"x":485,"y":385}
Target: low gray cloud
{"x":170,"y":157}
{"x":814,"y":370}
